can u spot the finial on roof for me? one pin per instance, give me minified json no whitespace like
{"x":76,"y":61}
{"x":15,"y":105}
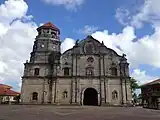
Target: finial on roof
{"x":89,"y":36}
{"x":123,"y":58}
{"x":77,"y":42}
{"x":102,"y":43}
{"x":124,"y":55}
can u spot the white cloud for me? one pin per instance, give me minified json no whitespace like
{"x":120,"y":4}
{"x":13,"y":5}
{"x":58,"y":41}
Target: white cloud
{"x":68,"y":4}
{"x":122,"y":40}
{"x":3,"y":29}
{"x":87,"y":30}
{"x":142,"y":77}
{"x":12,"y":9}
{"x":143,"y":51}
{"x":67,"y":44}
{"x":16,"y":39}
{"x":1,"y":79}
{"x":123,"y":16}
{"x":15,"y":49}
{"x":146,"y":49}
{"x":147,"y":13}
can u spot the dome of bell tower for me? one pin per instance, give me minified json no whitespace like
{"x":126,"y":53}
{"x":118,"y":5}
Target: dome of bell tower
{"x":49,"y":25}
{"x":48,"y":30}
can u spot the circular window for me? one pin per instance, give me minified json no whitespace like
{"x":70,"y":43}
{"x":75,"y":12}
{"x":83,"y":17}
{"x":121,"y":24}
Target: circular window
{"x":90,"y":59}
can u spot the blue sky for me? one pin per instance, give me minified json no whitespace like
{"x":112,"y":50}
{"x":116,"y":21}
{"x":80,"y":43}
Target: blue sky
{"x":100,"y":14}
{"x":123,"y":23}
{"x":69,"y":21}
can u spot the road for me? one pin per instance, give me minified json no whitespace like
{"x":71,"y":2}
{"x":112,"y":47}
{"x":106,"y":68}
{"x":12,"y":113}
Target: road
{"x":46,"y":112}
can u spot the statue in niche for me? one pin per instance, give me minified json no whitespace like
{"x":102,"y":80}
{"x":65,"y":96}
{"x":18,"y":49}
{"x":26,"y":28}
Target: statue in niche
{"x":89,"y":71}
{"x":65,"y":94}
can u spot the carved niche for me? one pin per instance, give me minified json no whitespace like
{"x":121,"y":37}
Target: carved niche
{"x":89,"y":48}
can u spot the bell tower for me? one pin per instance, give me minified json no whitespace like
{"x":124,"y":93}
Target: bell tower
{"x":44,"y":58}
{"x":46,"y":42}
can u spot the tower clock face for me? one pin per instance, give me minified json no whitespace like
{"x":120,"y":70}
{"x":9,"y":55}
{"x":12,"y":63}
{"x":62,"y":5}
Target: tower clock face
{"x":42,"y":45}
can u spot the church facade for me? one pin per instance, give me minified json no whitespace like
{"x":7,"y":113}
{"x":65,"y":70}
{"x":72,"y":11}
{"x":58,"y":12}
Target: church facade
{"x":87,"y":74}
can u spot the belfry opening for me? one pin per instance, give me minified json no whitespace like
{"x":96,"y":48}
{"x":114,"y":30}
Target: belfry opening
{"x":90,"y":97}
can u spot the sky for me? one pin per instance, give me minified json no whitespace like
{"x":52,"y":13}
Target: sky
{"x":126,"y":26}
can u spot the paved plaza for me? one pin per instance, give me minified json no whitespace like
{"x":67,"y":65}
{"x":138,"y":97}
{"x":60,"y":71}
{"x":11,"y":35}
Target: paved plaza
{"x":46,"y":112}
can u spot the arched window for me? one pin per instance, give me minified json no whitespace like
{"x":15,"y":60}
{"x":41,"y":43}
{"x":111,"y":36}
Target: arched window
{"x":89,"y":71}
{"x":53,"y":33}
{"x":66,"y":71}
{"x":34,"y":96}
{"x":65,"y":94}
{"x":114,"y":71}
{"x":114,"y":95}
{"x":36,"y":71}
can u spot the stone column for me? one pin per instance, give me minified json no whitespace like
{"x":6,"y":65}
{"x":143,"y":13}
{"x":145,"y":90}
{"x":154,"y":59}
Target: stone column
{"x":99,"y":102}
{"x":103,"y":93}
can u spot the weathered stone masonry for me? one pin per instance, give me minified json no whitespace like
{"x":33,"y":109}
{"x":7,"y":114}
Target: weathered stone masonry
{"x":87,"y":74}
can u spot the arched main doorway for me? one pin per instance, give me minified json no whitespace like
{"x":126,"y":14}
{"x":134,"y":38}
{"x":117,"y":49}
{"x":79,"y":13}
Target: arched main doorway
{"x":90,"y":97}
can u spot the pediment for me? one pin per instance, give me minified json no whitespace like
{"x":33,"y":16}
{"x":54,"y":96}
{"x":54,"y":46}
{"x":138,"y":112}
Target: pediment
{"x":91,"y":46}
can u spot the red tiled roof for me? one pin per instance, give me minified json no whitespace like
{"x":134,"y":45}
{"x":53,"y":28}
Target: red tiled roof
{"x":8,"y":92}
{"x":49,"y":25}
{"x":5,"y":86}
{"x":153,"y":82}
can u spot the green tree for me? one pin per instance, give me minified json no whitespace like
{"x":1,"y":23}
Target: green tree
{"x":134,"y":85}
